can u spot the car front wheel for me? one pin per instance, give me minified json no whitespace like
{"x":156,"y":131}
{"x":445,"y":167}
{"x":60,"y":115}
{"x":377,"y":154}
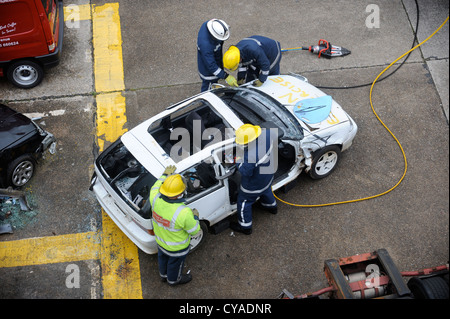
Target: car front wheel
{"x":325,"y":161}
{"x":20,"y":170}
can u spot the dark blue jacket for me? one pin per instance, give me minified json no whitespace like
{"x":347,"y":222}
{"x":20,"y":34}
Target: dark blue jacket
{"x":209,"y":56}
{"x":258,"y":165}
{"x":259,"y":52}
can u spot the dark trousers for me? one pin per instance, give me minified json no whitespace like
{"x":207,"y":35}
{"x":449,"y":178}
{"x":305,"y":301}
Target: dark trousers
{"x":206,"y":85}
{"x":253,"y":74}
{"x":171,"y":264}
{"x":245,"y":202}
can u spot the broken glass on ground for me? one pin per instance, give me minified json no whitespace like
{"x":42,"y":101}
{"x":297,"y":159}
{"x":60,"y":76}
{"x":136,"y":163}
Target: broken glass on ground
{"x":14,"y":210}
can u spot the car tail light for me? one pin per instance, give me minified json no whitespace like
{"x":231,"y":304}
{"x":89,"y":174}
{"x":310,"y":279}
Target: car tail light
{"x":52,"y":46}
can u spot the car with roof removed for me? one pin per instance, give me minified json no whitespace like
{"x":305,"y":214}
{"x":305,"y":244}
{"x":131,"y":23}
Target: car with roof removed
{"x":197,"y":135}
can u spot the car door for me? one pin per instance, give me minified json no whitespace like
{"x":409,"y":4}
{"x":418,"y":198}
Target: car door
{"x":206,"y":192}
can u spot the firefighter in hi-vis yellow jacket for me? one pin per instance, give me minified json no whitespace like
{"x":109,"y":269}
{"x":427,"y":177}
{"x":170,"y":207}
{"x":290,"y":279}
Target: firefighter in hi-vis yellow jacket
{"x":173,"y":223}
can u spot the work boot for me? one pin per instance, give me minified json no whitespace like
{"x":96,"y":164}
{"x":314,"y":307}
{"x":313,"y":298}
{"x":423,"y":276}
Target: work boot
{"x":269,"y":209}
{"x":239,"y":228}
{"x":183,"y":280}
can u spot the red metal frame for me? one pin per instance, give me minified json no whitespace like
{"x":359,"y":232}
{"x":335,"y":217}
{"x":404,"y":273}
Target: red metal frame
{"x":322,"y":41}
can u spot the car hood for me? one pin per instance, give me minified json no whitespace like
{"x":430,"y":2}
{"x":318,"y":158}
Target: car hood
{"x":13,"y":126}
{"x":294,"y":92}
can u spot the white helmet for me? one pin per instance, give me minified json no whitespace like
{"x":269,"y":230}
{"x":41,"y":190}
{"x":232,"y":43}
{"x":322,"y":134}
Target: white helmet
{"x":219,"y":29}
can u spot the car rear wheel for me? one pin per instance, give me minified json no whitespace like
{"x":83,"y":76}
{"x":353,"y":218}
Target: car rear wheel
{"x":200,"y":237}
{"x":25,"y":74}
{"x":20,"y":171}
{"x":325,"y":161}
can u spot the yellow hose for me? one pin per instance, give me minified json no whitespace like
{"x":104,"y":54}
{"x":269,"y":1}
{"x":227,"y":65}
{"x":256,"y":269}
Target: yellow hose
{"x":392,"y":134}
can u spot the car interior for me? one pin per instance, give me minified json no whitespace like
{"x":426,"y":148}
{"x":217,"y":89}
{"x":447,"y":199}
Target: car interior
{"x":199,"y":178}
{"x":250,"y":109}
{"x":180,"y":127}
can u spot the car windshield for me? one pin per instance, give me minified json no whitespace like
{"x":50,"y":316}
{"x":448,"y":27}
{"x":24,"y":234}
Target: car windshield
{"x":256,"y":108}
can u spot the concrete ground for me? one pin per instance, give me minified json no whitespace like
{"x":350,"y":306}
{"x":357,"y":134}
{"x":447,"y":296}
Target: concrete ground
{"x":288,"y":250}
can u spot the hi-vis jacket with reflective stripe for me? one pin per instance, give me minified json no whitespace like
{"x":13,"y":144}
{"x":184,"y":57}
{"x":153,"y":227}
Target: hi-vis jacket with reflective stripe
{"x":173,"y":221}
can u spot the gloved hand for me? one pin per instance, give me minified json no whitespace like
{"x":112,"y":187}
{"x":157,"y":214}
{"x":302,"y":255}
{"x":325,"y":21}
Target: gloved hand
{"x":257,"y":83}
{"x":196,"y":215}
{"x":231,"y":80}
{"x":241,"y":81}
{"x":169,"y":170}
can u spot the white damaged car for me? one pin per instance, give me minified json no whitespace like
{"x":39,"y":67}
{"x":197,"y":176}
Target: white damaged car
{"x":197,"y":136}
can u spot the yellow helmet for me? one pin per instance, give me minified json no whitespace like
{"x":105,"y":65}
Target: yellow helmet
{"x":247,"y":133}
{"x":173,"y":186}
{"x":231,"y":58}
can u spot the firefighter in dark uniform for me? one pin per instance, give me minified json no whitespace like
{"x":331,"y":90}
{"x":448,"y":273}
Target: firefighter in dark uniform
{"x":210,"y":40}
{"x":257,"y":168}
{"x":257,"y":57}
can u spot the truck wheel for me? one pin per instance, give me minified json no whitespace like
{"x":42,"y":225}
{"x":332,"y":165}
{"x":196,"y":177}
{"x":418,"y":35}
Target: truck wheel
{"x":25,"y":74}
{"x":20,"y":171}
{"x":200,"y":237}
{"x":429,"y":288}
{"x":325,"y":161}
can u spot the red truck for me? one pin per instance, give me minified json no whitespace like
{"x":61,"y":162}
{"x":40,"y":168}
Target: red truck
{"x":31,"y":38}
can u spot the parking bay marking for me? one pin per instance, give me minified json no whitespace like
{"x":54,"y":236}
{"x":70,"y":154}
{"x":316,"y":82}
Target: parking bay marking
{"x":74,"y":12}
{"x":48,"y":250}
{"x":121,"y":276}
{"x":118,"y":255}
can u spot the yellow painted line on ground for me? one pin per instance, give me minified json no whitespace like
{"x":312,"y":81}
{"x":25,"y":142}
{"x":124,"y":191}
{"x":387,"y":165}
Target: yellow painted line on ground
{"x":50,"y":250}
{"x":55,"y":249}
{"x":107,"y":40}
{"x":118,"y":255}
{"x":121,"y":276}
{"x":111,"y":117}
{"x":74,"y":12}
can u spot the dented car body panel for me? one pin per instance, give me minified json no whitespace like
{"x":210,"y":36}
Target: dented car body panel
{"x":20,"y":137}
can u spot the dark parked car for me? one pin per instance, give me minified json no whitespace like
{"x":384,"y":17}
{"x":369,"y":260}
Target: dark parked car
{"x":22,"y":143}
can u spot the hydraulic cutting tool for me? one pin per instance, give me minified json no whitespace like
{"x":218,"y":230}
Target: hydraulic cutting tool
{"x":323,"y":48}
